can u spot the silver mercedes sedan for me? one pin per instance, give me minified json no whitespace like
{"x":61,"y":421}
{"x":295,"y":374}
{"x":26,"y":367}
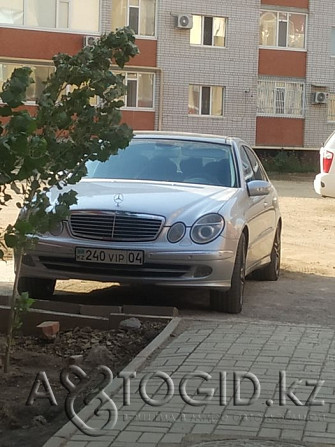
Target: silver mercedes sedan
{"x":172,"y":209}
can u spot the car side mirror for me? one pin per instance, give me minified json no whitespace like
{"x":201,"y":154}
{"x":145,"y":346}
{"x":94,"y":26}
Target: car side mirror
{"x":258,"y":188}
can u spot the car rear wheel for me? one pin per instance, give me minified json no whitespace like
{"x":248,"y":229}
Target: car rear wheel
{"x":232,"y":300}
{"x":37,"y":288}
{"x":272,"y":270}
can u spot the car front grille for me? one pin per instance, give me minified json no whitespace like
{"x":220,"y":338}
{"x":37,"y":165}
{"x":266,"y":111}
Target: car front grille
{"x":115,"y":226}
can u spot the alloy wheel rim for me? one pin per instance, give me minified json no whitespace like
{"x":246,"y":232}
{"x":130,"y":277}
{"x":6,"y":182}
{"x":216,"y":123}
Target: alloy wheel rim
{"x":242,"y":275}
{"x":276,"y":247}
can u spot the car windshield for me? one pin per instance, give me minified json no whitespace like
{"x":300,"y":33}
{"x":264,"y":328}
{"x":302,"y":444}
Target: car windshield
{"x":170,"y":161}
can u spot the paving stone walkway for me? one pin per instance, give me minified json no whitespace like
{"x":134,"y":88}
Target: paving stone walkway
{"x":286,"y":373}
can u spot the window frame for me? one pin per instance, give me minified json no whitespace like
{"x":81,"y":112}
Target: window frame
{"x":31,"y":64}
{"x":202,"y":36}
{"x":277,"y":86}
{"x":56,"y":28}
{"x":210,"y":115}
{"x":124,"y":98}
{"x":286,"y":47}
{"x":246,"y":165}
{"x":256,"y":164}
{"x":139,"y":35}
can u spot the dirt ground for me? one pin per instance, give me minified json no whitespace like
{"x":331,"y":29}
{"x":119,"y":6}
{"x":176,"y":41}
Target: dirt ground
{"x":308,"y":228}
{"x":32,"y":425}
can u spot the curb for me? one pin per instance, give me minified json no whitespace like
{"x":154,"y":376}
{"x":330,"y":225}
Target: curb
{"x":60,"y":438}
{"x":71,"y":315}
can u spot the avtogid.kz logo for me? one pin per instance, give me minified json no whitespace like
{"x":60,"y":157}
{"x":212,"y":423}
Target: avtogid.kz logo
{"x":104,"y":407}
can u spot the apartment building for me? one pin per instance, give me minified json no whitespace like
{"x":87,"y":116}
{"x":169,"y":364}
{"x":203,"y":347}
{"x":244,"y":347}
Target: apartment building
{"x":258,"y":69}
{"x":32,"y":31}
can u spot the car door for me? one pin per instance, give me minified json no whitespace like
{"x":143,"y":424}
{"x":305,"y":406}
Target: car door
{"x":260,"y":213}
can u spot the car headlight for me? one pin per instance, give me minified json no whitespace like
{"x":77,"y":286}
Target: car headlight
{"x":57,"y":228}
{"x":207,"y":228}
{"x":176,"y":232}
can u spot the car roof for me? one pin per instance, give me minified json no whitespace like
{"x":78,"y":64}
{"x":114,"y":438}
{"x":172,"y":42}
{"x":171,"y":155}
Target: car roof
{"x":186,"y":136}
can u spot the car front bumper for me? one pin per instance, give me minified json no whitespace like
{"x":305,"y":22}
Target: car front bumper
{"x":185,"y":267}
{"x":324,"y":184}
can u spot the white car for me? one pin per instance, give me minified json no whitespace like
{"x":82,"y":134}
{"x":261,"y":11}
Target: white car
{"x":172,"y":209}
{"x":324,"y":182}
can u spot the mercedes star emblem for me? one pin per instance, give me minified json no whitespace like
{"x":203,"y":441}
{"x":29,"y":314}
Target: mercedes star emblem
{"x":118,"y":198}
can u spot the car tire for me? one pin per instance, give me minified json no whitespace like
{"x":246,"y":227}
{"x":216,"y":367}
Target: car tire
{"x":231,"y":301}
{"x":37,"y":288}
{"x":271,"y":271}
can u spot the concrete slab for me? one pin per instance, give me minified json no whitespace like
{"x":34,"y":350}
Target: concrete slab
{"x":225,"y":387}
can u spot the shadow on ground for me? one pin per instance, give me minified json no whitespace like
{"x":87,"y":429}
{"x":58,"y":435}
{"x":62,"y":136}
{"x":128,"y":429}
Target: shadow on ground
{"x":296,"y":298}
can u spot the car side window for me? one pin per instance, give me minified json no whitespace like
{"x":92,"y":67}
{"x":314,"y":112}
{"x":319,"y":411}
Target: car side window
{"x":248,"y":172}
{"x":255,"y":164}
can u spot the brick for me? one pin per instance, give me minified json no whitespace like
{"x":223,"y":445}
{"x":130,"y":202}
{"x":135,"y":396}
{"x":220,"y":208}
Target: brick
{"x":182,"y":427}
{"x":150,"y":437}
{"x":172,"y":437}
{"x":203,"y":428}
{"x":273,"y":433}
{"x":48,"y":329}
{"x":293,"y":435}
{"x":128,"y":436}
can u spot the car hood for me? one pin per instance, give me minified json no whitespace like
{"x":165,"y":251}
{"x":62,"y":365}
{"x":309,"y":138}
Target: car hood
{"x":174,"y":201}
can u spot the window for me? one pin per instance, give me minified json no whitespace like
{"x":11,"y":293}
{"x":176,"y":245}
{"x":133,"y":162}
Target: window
{"x":11,"y":12}
{"x":282,"y":29}
{"x":248,"y":172}
{"x":205,"y":100}
{"x":140,"y":90}
{"x":280,"y":98}
{"x":40,"y":74}
{"x":60,"y":14}
{"x":138,"y":14}
{"x":257,"y":168}
{"x":209,"y":31}
{"x":331,"y":107}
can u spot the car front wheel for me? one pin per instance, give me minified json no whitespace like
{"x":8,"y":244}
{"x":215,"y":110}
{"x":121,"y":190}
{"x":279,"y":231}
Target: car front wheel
{"x":232,"y":300}
{"x":38,"y":288}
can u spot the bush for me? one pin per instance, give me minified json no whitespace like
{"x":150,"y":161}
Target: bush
{"x":290,"y":162}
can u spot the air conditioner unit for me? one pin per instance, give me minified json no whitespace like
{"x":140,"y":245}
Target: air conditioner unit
{"x":185,"y":21}
{"x":89,"y":41}
{"x":319,"y":97}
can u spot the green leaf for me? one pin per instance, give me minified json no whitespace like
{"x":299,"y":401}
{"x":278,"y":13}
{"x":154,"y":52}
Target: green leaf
{"x":5,"y":111}
{"x":23,"y":227}
{"x":11,"y":240}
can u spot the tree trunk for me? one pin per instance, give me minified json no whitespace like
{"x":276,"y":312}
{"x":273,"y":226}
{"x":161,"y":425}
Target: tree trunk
{"x":13,"y":299}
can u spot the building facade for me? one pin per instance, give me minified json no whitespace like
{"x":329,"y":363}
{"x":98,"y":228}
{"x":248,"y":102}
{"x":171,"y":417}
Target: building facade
{"x":259,"y":69}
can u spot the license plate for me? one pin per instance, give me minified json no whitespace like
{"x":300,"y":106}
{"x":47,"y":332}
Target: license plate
{"x":107,"y":256}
